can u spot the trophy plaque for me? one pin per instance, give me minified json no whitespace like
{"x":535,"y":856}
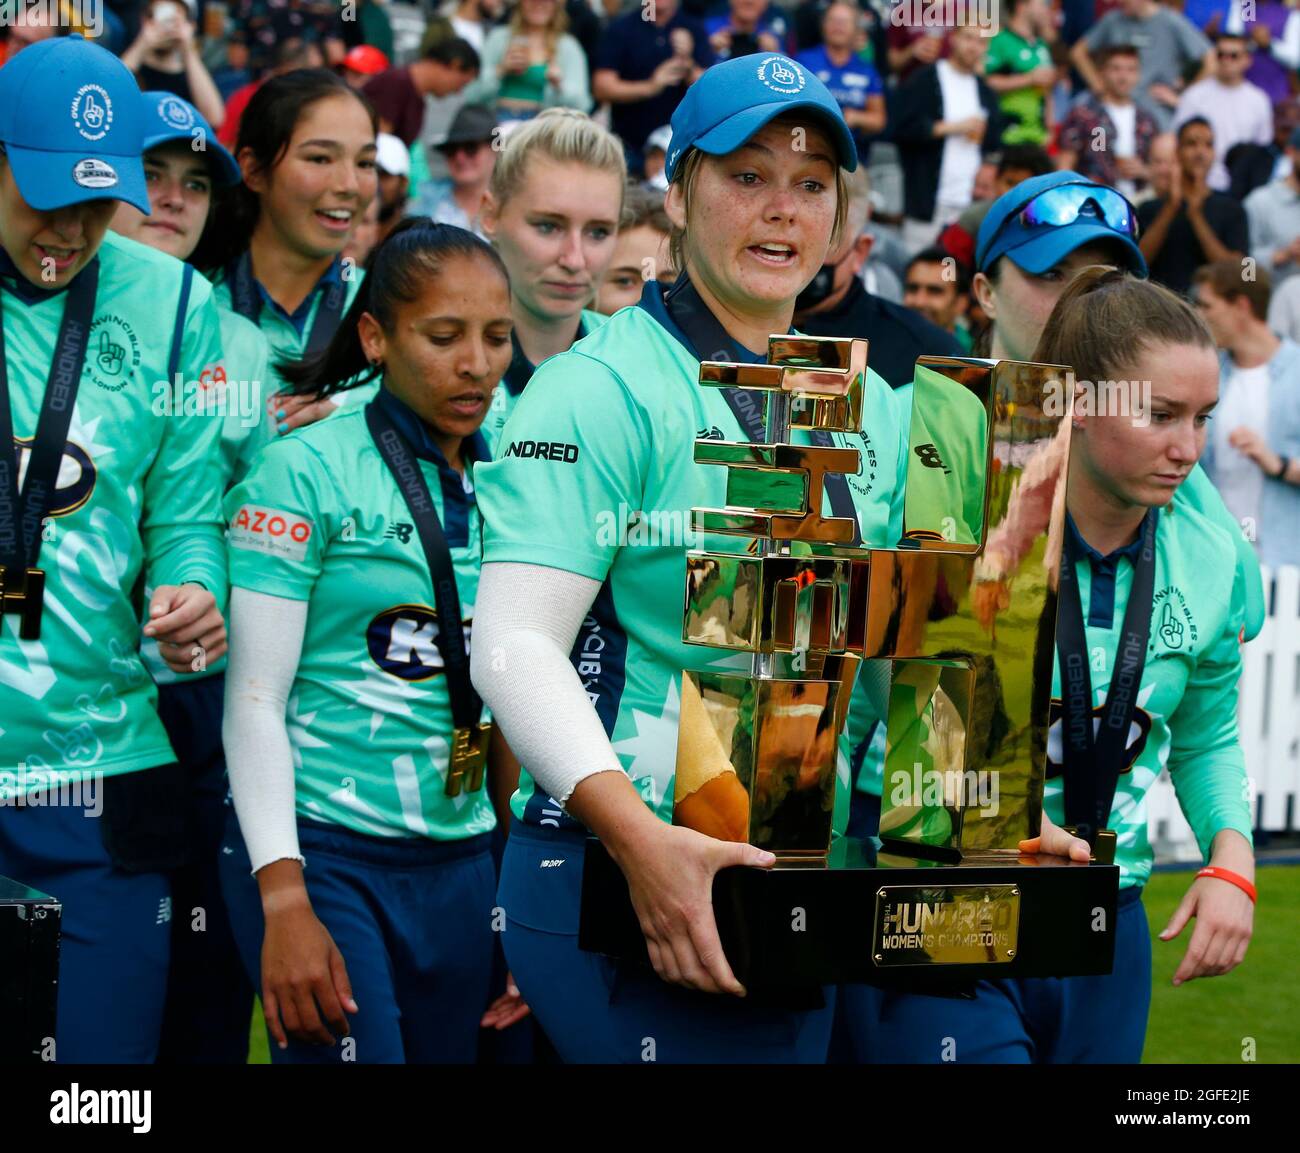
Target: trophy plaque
{"x":958,"y":644}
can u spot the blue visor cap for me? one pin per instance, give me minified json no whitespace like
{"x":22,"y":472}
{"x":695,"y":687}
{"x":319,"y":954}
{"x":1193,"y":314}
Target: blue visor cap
{"x":734,"y":99}
{"x":1037,"y":226}
{"x":72,"y":125}
{"x":169,"y":118}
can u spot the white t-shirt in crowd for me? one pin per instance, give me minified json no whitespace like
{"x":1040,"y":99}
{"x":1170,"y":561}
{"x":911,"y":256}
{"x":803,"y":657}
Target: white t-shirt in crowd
{"x":1124,"y":117}
{"x":961,"y":157}
{"x":1239,"y":479}
{"x":1238,"y":114}
{"x":471,"y":30}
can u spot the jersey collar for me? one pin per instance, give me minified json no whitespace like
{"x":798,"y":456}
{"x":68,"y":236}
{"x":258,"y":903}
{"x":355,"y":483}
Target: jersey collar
{"x":457,"y":499}
{"x":420,"y":437}
{"x":521,"y":368}
{"x":298,"y":317}
{"x":680,"y":308}
{"x":1080,"y":548}
{"x":1101,"y":589}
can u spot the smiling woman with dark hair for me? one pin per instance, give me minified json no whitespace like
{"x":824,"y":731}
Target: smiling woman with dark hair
{"x":306,"y":149}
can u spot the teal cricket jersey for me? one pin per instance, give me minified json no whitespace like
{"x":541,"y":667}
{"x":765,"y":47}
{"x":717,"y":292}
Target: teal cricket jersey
{"x":246,"y":428}
{"x":320,"y":519}
{"x":288,"y":334}
{"x":520,"y":372}
{"x":238,"y":399}
{"x":610,"y":499}
{"x":1198,"y":492}
{"x":140,"y":486}
{"x":1186,"y":715}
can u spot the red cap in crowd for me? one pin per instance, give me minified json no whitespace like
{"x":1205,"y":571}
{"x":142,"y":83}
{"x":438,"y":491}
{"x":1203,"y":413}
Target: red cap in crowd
{"x":366,"y":59}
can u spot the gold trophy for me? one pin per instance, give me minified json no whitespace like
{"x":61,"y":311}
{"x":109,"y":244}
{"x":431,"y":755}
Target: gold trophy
{"x":958,"y":643}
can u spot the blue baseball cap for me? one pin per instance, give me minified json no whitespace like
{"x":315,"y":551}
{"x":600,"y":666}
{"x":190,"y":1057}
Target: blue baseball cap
{"x":72,"y":124}
{"x":169,"y":118}
{"x":1038,"y":247}
{"x":734,"y":99}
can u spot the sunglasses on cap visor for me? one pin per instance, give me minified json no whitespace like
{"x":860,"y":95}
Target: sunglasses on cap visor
{"x":1067,"y":203}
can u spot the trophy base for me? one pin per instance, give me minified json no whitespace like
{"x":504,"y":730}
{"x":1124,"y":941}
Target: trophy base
{"x":873,"y":915}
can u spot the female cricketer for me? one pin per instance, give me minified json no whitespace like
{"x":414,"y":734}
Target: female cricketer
{"x":1035,"y":238}
{"x":552,"y":212}
{"x":306,"y":148}
{"x":351,"y":724}
{"x":209,"y":997}
{"x":1150,"y":600}
{"x":100,"y":481}
{"x":578,"y":648}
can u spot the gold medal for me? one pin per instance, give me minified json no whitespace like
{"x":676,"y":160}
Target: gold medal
{"x":22,"y":591}
{"x":468,"y":758}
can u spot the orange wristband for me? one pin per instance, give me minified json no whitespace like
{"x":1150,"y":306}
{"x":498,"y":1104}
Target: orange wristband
{"x":1232,"y":878}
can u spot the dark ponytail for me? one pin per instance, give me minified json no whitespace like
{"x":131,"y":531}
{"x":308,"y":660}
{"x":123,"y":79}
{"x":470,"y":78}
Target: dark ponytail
{"x":396,"y":273}
{"x":265,"y":128}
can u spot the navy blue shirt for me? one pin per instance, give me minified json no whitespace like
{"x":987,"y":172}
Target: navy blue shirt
{"x":1101,"y":601}
{"x":634,"y":48}
{"x":897,"y":335}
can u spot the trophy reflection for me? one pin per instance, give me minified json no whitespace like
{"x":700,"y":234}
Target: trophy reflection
{"x":967,"y":705}
{"x":757,"y":755}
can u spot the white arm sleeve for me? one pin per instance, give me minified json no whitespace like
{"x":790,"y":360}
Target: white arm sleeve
{"x":525,"y":620}
{"x":266,"y":634}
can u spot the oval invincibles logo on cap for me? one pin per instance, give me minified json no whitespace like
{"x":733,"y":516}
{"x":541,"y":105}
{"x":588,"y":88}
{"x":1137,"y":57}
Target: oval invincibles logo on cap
{"x":92,"y":173}
{"x":175,"y":113}
{"x":781,"y":75}
{"x":92,"y":112}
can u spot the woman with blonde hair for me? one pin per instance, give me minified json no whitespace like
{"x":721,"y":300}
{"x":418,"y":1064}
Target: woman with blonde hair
{"x":552,"y":212}
{"x":532,"y":63}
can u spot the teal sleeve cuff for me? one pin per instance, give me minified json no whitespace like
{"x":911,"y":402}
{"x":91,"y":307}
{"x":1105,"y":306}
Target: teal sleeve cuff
{"x":190,"y":554}
{"x":1214,"y":795}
